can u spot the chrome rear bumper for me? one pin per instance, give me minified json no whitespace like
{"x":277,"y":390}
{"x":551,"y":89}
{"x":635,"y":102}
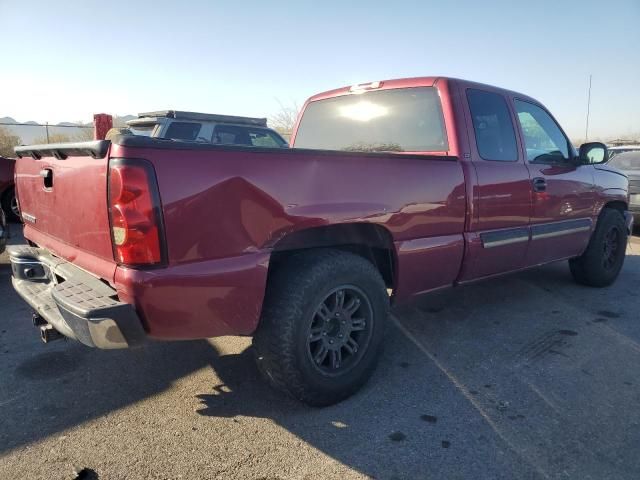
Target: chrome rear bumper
{"x":75,"y":303}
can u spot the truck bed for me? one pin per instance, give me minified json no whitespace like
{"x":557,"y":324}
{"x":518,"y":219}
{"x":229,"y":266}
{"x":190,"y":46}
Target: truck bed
{"x":226,"y":208}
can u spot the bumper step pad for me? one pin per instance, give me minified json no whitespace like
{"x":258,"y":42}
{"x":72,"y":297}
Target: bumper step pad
{"x":77,"y":304}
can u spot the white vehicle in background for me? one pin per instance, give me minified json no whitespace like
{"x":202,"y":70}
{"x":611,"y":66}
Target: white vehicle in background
{"x":627,"y":159}
{"x":613,"y":151}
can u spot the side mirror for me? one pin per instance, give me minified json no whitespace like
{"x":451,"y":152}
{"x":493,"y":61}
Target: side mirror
{"x":593,"y":152}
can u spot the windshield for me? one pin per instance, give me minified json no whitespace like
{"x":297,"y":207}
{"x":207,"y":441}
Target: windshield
{"x":626,"y":160}
{"x":399,"y":120}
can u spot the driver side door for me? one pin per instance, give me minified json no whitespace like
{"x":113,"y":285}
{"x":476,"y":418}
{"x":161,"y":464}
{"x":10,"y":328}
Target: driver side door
{"x":563,"y":191}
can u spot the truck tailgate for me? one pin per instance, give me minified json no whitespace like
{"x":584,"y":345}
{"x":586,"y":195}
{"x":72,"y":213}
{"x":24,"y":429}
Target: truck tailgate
{"x":64,"y":207}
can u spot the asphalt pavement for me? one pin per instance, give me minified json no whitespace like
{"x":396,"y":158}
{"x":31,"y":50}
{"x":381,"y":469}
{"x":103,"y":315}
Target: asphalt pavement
{"x":525,"y":376}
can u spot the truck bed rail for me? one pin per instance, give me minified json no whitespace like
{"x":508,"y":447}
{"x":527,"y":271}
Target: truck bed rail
{"x":95,"y":149}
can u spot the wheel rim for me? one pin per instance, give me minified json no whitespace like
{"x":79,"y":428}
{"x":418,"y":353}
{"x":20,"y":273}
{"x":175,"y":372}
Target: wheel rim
{"x":611,"y":248}
{"x":14,"y":206}
{"x":340,"y":330}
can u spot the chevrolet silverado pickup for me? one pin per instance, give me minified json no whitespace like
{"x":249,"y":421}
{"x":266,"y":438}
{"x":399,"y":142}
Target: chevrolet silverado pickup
{"x":392,"y":189}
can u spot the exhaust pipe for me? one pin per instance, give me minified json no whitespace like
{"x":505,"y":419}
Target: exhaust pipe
{"x":49,"y":334}
{"x":38,"y":321}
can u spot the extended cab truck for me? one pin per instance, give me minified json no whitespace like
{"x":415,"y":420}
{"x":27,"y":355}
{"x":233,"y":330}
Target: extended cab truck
{"x":405,"y":186}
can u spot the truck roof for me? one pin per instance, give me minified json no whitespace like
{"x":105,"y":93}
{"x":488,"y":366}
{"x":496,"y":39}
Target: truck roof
{"x":429,"y":81}
{"x":204,"y":117}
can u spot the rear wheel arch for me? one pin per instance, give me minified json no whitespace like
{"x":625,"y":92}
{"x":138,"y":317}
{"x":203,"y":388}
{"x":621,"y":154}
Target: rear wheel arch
{"x":601,"y":262}
{"x":370,"y":241}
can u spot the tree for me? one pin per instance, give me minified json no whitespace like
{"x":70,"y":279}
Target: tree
{"x":83,"y":135}
{"x":79,"y":135}
{"x":284,"y":119}
{"x":7,"y":142}
{"x":53,"y":138}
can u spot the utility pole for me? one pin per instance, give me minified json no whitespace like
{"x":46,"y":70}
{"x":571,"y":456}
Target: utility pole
{"x":46,"y":126}
{"x":586,"y":131}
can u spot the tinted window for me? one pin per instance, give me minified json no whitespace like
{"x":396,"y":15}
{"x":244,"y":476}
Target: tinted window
{"x":182,"y":131}
{"x":543,"y":139}
{"x":400,"y":120}
{"x":265,"y":138}
{"x":253,"y":137}
{"x":495,"y":136}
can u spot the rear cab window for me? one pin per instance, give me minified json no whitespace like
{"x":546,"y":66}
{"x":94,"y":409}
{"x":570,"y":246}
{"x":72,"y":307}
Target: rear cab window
{"x":394,"y":120}
{"x":492,"y":126}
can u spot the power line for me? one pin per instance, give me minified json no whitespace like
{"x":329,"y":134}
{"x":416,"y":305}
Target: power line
{"x":46,"y":125}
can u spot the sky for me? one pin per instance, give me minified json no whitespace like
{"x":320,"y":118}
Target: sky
{"x":64,"y":61}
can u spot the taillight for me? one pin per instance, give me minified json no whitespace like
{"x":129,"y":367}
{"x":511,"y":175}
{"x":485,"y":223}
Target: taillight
{"x":135,"y":213}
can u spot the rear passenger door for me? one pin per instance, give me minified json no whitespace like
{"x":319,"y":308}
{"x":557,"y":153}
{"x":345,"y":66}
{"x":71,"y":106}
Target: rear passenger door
{"x":563,"y":194}
{"x":499,"y":234}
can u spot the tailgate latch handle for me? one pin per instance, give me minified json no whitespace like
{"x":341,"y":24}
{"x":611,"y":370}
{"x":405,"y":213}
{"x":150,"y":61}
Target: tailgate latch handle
{"x":47,"y":175}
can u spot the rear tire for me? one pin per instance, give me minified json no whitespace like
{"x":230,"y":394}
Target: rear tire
{"x":322,"y":326}
{"x":10,"y":205}
{"x":602,"y":261}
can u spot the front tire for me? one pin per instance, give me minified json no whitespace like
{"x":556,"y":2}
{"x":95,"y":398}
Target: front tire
{"x":322,"y":325}
{"x":602,"y":261}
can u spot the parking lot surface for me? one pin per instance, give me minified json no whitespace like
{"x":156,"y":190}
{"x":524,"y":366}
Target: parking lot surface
{"x":524,"y":376}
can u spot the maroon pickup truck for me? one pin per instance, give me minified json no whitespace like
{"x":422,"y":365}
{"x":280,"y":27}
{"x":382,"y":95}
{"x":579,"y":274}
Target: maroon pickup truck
{"x":391,"y":189}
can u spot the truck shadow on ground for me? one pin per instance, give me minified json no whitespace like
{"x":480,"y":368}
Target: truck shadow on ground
{"x":420,"y":415}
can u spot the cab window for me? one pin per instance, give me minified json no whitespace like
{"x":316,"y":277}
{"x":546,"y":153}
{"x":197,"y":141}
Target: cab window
{"x":492,"y":125}
{"x":394,"y":120}
{"x":248,"y":136}
{"x":543,"y":139}
{"x":182,"y":131}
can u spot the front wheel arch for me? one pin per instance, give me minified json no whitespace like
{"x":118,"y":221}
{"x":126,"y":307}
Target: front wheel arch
{"x":591,"y":267}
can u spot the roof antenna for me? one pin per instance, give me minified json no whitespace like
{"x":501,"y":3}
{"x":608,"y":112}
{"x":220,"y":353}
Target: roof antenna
{"x":586,"y":131}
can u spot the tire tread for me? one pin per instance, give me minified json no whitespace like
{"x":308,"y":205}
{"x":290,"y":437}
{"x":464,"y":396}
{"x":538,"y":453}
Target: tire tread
{"x":288,"y":289}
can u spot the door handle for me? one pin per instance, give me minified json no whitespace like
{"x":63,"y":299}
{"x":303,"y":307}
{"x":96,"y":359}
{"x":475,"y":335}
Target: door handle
{"x":539,"y":184}
{"x":47,"y":176}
